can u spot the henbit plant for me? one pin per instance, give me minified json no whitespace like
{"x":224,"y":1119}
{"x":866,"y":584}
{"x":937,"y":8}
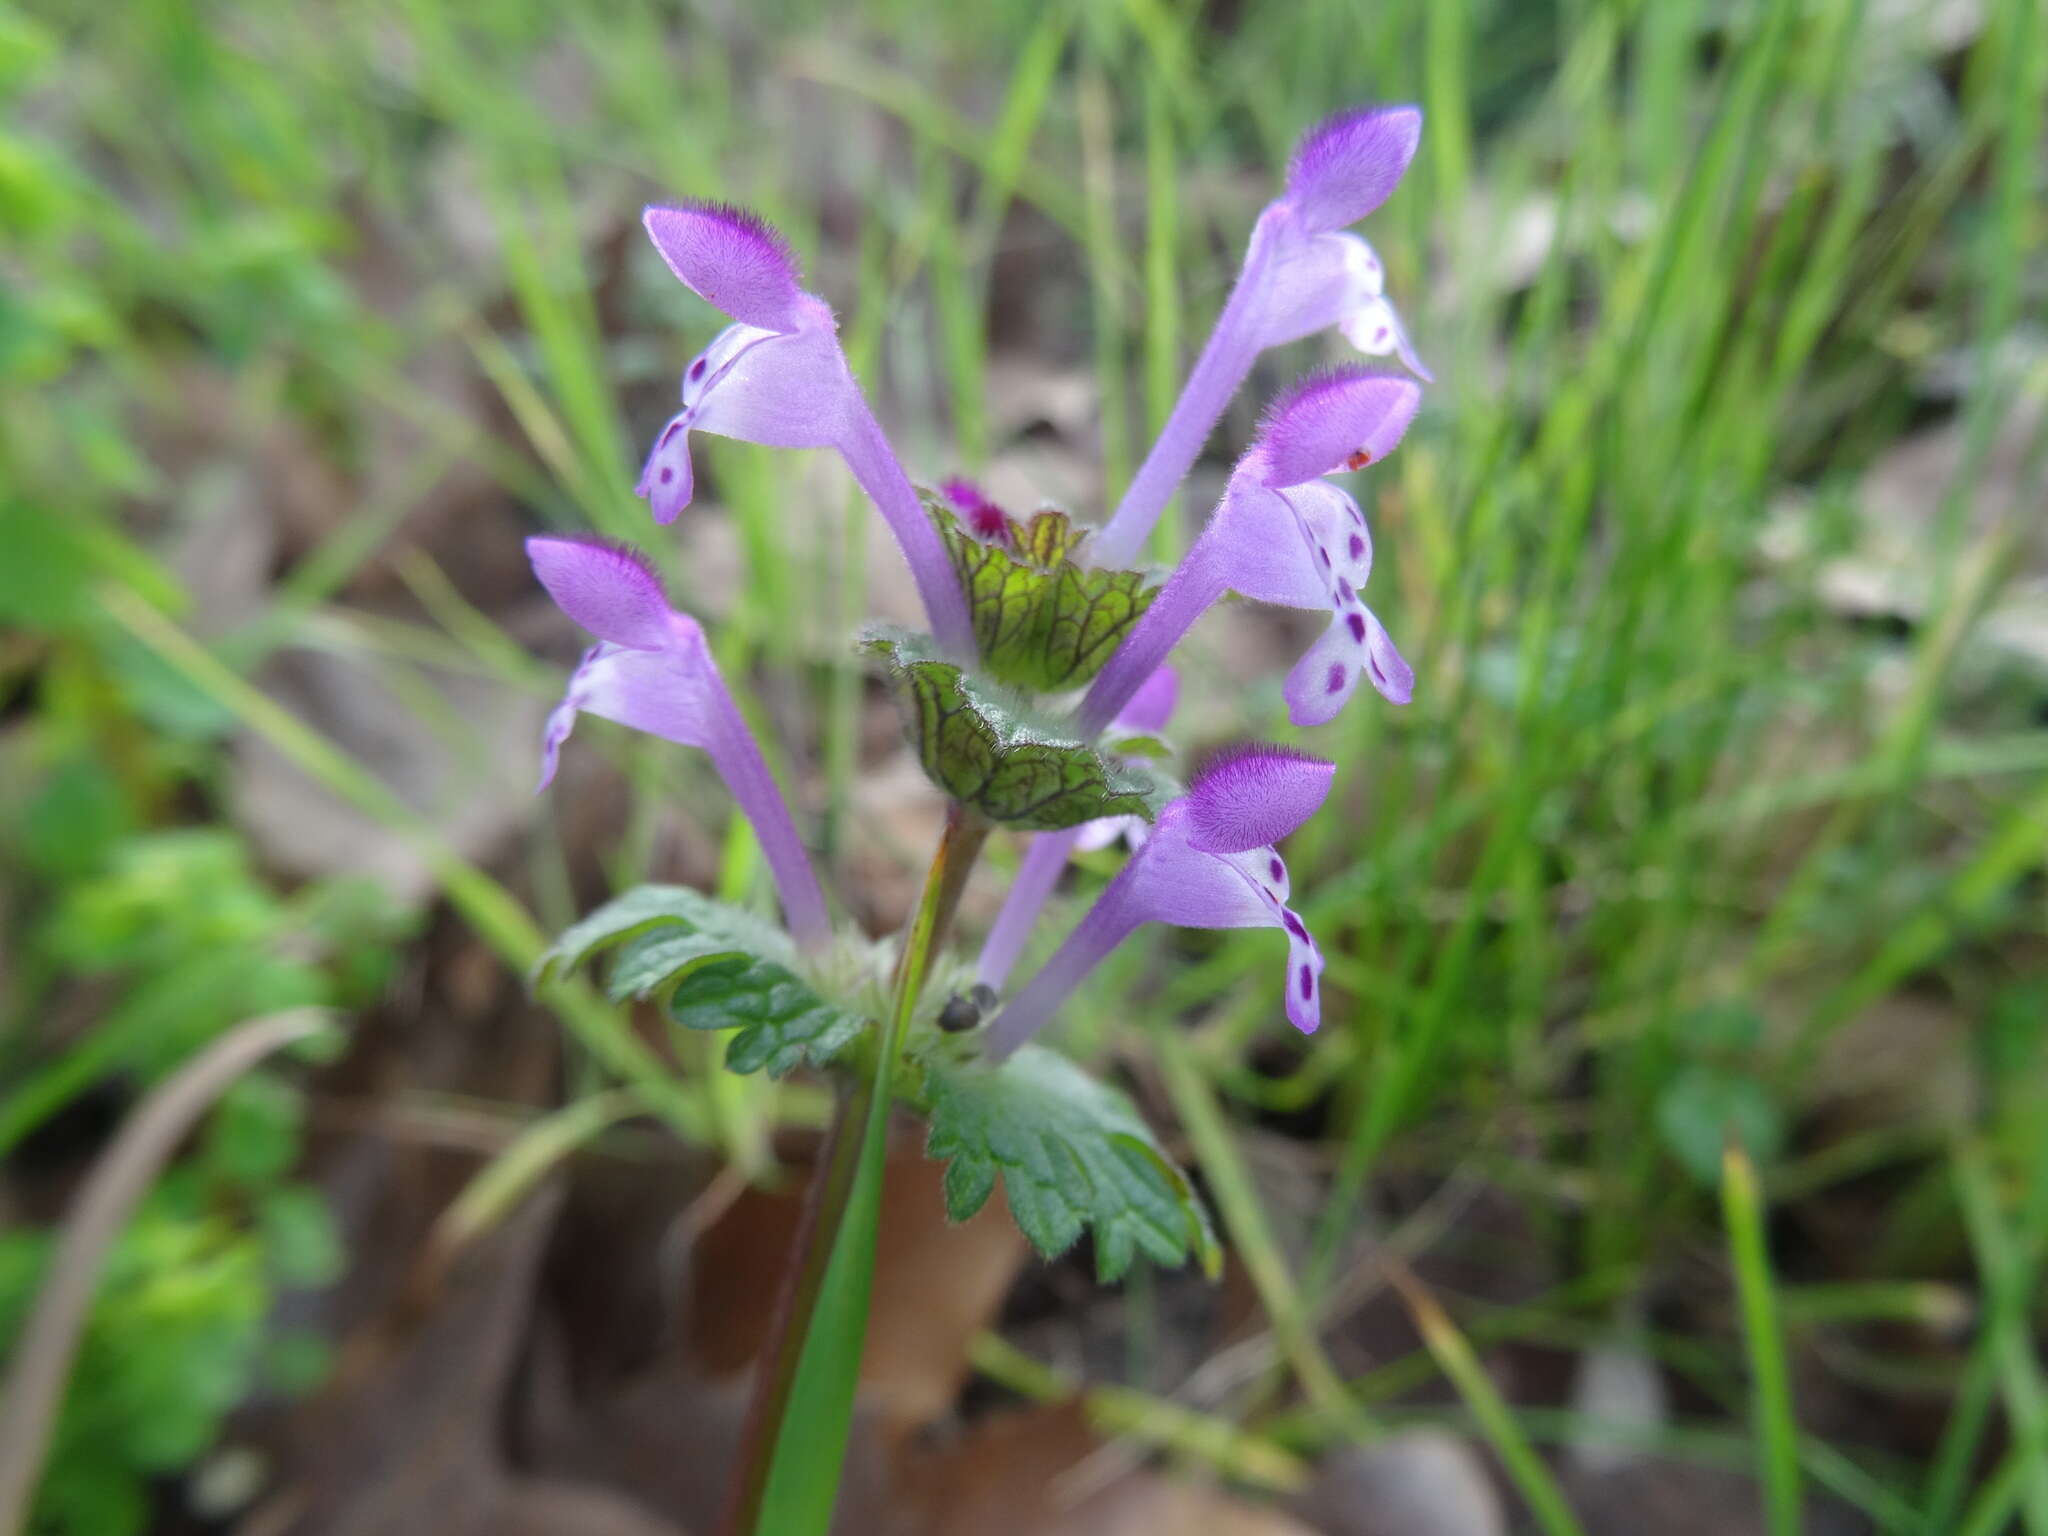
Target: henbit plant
{"x":1035,"y":703}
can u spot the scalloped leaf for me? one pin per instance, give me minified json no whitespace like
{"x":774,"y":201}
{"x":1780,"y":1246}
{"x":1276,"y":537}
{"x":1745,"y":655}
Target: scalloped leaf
{"x":989,"y":749}
{"x":1072,"y":1154}
{"x":1042,"y":620}
{"x":712,"y":967}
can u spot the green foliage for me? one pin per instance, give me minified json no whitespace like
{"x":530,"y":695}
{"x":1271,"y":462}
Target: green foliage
{"x":1072,"y":1153}
{"x":712,"y":967}
{"x":1714,"y":1097}
{"x":176,"y":1339}
{"x":991,"y":750}
{"x":191,"y":941}
{"x":174,"y":936}
{"x":1042,"y":620}
{"x":43,"y":580}
{"x":1704,"y":1107}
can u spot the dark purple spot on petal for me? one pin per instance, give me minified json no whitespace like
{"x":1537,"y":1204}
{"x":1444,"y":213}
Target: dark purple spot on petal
{"x":1379,"y":676}
{"x":1357,"y":547}
{"x":667,"y":474}
{"x":1324,"y":553}
{"x":1357,"y":623}
{"x":1344,"y":590}
{"x":1294,"y":927}
{"x":1335,"y":684}
{"x":697,"y":370}
{"x":1308,"y":983}
{"x":1279,"y":870}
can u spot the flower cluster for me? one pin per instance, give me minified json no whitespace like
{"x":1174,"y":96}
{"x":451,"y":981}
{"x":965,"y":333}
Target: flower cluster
{"x":1002,"y":597}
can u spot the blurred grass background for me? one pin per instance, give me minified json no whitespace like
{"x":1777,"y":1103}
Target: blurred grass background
{"x":1719,"y":550}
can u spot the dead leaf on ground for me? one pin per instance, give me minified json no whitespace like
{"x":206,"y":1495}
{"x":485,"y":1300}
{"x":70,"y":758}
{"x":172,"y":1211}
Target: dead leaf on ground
{"x":408,"y":1438}
{"x":937,"y":1285}
{"x":1013,"y":1474}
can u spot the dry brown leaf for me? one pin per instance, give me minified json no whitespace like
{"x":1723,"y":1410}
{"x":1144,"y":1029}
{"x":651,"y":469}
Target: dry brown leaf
{"x":407,"y":1437}
{"x":937,"y":1285}
{"x":1015,"y":1474}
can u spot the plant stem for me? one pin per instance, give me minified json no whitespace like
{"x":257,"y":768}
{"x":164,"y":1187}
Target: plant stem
{"x":802,"y":1414}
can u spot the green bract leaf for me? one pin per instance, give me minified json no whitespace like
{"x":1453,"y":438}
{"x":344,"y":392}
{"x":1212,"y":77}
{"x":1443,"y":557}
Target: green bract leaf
{"x":713,"y":967}
{"x":1072,"y":1153}
{"x":1041,"y":620}
{"x":989,"y":749}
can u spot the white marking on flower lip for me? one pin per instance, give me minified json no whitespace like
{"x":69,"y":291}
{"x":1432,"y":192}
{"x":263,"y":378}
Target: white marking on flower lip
{"x":716,"y":361}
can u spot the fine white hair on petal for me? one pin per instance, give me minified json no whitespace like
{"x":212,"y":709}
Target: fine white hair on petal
{"x":1334,"y":420}
{"x":1252,"y":795}
{"x":608,"y":589}
{"x":1349,"y":164}
{"x":729,"y":258}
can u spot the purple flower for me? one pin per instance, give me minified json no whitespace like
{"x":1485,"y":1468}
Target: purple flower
{"x":988,"y":522}
{"x":1283,"y":534}
{"x":778,"y":377}
{"x":1208,"y":863}
{"x":1302,"y":274}
{"x":1046,"y":857}
{"x":652,"y":671}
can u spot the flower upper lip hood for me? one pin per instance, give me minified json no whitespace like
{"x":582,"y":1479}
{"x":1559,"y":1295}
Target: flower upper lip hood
{"x":1282,"y":534}
{"x":1350,"y":163}
{"x":778,"y":377}
{"x":1209,"y":862}
{"x":1302,"y":273}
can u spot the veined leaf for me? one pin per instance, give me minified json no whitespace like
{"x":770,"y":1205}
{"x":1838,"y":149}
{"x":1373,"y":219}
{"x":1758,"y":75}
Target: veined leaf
{"x":1072,"y":1154}
{"x":991,"y":750}
{"x":713,"y":967}
{"x":1042,"y":620}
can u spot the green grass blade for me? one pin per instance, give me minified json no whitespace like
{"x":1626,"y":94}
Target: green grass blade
{"x":1106,"y":269}
{"x":801,"y":1483}
{"x":2007,"y":1274}
{"x":495,"y":1190}
{"x":1496,"y":1421}
{"x":1992,"y":1510}
{"x":1244,"y":1218}
{"x":1777,"y":1429}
